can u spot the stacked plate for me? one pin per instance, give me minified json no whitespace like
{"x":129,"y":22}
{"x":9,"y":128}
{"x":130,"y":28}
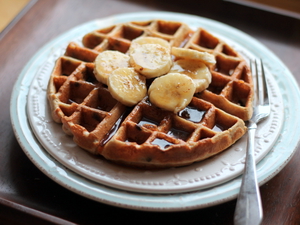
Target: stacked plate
{"x":199,"y":185}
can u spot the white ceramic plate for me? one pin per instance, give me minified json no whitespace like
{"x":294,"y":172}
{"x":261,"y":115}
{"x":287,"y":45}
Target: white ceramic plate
{"x":72,"y":168}
{"x":207,"y":173}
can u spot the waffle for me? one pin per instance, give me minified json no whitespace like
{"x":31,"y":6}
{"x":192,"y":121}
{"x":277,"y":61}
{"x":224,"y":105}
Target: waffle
{"x":144,"y":135}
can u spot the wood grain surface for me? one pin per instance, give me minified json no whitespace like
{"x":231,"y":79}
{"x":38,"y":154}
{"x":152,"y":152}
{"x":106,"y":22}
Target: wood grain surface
{"x":22,"y":183}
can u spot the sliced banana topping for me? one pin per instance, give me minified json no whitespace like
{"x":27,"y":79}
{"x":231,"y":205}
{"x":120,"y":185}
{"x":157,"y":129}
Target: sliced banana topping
{"x":150,"y":56}
{"x":172,"y":92}
{"x":127,"y":86}
{"x":191,"y":54}
{"x":175,"y":82}
{"x":150,"y":40}
{"x":107,"y":61}
{"x":196,"y":70}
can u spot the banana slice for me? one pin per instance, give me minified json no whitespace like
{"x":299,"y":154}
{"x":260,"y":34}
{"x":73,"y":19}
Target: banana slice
{"x":107,"y":61}
{"x":150,"y":56}
{"x":191,"y":54}
{"x":196,"y":70}
{"x":150,"y":40}
{"x":127,"y":86}
{"x":172,"y":92}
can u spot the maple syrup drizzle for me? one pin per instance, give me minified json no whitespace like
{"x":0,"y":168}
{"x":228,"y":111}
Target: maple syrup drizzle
{"x":178,"y":134}
{"x":225,"y":72}
{"x":192,"y":114}
{"x":146,"y":120}
{"x":104,"y":107}
{"x":70,"y":101}
{"x":114,"y":128}
{"x":218,"y":128}
{"x":163,"y":144}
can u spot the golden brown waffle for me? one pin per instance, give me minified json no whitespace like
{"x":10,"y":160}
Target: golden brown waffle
{"x":144,"y":135}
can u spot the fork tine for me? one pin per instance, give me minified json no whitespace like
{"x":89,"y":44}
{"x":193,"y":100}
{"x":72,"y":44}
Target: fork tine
{"x":253,"y":70}
{"x":259,"y":86}
{"x":261,"y":93}
{"x":264,"y":84}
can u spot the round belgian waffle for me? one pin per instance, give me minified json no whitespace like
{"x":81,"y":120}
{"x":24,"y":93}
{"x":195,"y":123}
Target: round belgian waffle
{"x":145,"y":135}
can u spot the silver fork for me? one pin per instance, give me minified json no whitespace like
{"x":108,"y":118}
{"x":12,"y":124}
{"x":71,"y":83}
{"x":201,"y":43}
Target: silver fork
{"x":248,"y":209}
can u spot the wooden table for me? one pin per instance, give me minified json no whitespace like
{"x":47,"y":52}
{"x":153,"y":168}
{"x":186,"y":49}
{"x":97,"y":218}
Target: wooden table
{"x":42,"y":201}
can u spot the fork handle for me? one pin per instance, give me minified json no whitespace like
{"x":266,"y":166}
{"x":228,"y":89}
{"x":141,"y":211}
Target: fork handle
{"x":248,"y":209}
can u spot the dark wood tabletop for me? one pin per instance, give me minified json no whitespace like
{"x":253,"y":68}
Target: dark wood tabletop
{"x":30,"y":197}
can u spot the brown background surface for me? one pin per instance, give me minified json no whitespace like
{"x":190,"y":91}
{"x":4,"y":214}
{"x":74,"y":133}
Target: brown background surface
{"x":21,"y":182}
